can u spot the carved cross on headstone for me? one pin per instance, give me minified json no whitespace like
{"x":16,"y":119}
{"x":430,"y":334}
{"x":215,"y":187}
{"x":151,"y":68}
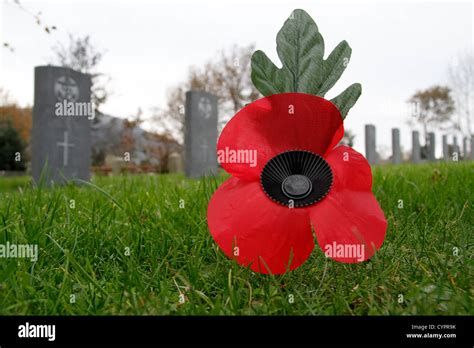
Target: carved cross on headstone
{"x":65,"y":144}
{"x":205,"y":150}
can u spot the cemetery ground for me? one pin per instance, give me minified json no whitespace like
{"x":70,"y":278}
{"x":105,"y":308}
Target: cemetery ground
{"x":140,"y":245}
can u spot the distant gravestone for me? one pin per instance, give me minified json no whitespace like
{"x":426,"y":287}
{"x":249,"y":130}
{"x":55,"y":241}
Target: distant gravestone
{"x":415,"y":147}
{"x":61,"y":139}
{"x":200,"y":134}
{"x":396,"y":152}
{"x":455,"y":148}
{"x":445,"y":148}
{"x":471,"y":153}
{"x":116,"y":163}
{"x":431,"y":146}
{"x":175,"y":163}
{"x":465,"y":146}
{"x":370,"y":152}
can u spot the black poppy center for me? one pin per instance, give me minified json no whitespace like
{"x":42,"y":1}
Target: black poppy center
{"x":296,"y":178}
{"x":296,"y":186}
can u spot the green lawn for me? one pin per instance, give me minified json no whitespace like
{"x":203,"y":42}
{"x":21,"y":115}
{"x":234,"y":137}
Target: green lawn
{"x":424,"y":266}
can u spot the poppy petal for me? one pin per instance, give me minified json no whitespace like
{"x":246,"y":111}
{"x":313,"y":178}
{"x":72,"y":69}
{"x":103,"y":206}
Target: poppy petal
{"x":255,"y":231}
{"x":350,"y":169}
{"x":349,"y":224}
{"x":274,"y":124}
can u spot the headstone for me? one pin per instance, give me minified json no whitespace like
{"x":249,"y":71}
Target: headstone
{"x":200,"y":134}
{"x":396,"y":152}
{"x":455,"y":147}
{"x":175,"y":163}
{"x":465,"y":146}
{"x":370,"y":152}
{"x":415,"y":149}
{"x":62,"y":113}
{"x":431,"y":147}
{"x":116,"y":163}
{"x":471,"y":153}
{"x":445,"y":148}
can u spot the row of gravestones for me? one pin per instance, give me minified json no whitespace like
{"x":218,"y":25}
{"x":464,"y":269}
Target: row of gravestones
{"x":61,"y":132}
{"x":453,"y":153}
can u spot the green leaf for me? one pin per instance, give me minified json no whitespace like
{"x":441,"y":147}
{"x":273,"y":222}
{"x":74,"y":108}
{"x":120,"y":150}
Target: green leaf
{"x":334,"y":66}
{"x":347,"y":99}
{"x":265,"y":74}
{"x":300,"y":48}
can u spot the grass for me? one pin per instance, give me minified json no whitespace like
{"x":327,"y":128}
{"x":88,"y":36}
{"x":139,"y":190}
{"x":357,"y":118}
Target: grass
{"x":84,"y":267}
{"x":13,"y":182}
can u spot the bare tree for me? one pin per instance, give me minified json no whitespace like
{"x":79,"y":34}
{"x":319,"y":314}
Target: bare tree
{"x":434,"y":108}
{"x":81,"y":55}
{"x":227,"y":77}
{"x":461,"y":81}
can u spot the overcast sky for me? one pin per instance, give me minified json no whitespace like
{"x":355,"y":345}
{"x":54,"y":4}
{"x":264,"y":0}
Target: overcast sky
{"x":397,"y":48}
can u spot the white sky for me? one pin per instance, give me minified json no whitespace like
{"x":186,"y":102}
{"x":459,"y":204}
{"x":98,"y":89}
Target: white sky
{"x":397,"y":47}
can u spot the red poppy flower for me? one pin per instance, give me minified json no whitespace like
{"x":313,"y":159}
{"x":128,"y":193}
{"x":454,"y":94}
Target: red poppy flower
{"x":288,"y":175}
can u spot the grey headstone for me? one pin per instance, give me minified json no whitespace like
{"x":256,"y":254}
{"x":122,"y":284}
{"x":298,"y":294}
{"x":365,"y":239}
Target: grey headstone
{"x":445,"y":148}
{"x":175,"y":163}
{"x":370,"y":152}
{"x":455,"y":147}
{"x":465,"y":146}
{"x":396,"y":152}
{"x":61,"y":144}
{"x":200,"y":134}
{"x":431,"y":146}
{"x":115,"y":163}
{"x":415,"y":147}
{"x":471,"y":153}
